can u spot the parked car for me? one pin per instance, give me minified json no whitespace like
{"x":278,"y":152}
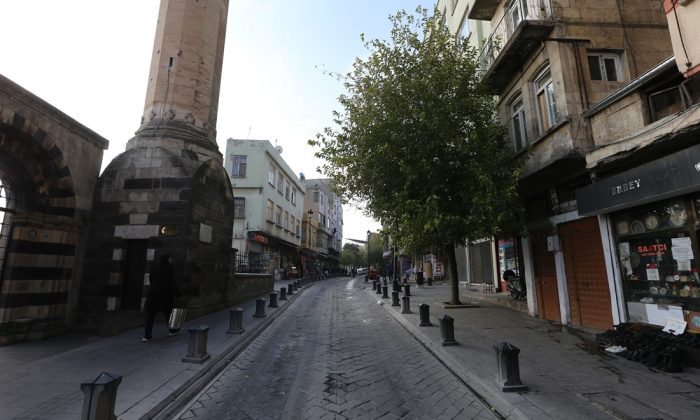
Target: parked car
{"x":362,"y":270}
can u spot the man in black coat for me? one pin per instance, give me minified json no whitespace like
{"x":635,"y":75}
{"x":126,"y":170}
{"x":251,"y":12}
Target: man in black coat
{"x":161,"y":294}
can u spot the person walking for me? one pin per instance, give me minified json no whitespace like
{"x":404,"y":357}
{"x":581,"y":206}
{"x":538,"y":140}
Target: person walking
{"x":161,"y":294}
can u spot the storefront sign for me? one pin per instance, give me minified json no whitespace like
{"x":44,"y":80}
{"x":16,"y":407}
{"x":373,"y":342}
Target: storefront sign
{"x":258,"y":238}
{"x":669,"y":176}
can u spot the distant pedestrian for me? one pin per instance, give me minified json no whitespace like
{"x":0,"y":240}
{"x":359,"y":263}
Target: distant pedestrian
{"x":161,"y":294}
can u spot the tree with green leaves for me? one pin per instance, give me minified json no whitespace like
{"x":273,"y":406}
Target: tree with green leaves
{"x":418,"y":143}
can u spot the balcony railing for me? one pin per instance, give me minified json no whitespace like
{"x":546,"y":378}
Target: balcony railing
{"x":519,"y":13}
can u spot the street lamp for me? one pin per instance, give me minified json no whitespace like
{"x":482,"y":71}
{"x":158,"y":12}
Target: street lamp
{"x":311,"y":214}
{"x":367,"y":276}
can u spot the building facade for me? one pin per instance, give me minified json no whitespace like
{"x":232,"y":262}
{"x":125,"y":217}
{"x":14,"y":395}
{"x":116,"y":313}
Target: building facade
{"x":326,"y":208}
{"x":268,"y":207}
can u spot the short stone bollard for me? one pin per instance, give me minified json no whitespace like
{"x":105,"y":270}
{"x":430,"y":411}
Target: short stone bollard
{"x":379,"y":288}
{"x":396,"y":286}
{"x":235,"y":321}
{"x":283,"y":293}
{"x":273,"y":300}
{"x":407,"y":289}
{"x":100,"y":397}
{"x":259,"y":308}
{"x":405,"y":305}
{"x":447,"y":330}
{"x":395,"y":299}
{"x":508,"y":368}
{"x":424,"y":311}
{"x":197,"y":345}
{"x":290,"y":289}
{"x":385,"y":292}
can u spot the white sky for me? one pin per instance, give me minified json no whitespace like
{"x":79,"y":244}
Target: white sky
{"x":90,"y":59}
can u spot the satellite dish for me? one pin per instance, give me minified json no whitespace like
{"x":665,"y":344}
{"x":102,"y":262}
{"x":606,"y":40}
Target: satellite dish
{"x":278,"y":149}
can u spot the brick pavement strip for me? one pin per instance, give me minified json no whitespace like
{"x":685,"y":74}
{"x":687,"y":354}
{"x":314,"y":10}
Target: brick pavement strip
{"x":336,"y":355}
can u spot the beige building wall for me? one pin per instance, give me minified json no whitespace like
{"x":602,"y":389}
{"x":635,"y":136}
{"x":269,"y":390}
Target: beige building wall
{"x":685,"y":34}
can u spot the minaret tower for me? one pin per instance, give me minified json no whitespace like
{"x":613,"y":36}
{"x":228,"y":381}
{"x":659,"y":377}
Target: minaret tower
{"x":168,"y":192}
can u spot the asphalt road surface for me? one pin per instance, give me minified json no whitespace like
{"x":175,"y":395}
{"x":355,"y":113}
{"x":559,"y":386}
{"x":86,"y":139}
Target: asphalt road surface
{"x":336,"y":354}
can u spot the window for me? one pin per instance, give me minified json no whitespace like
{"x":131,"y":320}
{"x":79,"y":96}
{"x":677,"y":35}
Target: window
{"x":239,"y":208}
{"x":292,"y":223}
{"x":517,"y":124}
{"x":294,"y":196}
{"x":270,"y":210}
{"x":515,"y":15}
{"x":546,"y":106}
{"x":280,"y":181}
{"x":271,"y":175}
{"x":286,"y":190}
{"x":298,"y":231}
{"x":604,"y":66}
{"x":285,"y":225}
{"x":316,"y":196}
{"x":238,"y":165}
{"x":465,"y":30}
{"x":278,"y":220}
{"x":674,"y":99}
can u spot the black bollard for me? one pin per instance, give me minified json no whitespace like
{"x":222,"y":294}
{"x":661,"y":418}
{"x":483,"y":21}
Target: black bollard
{"x":508,"y":368}
{"x":379,"y":288}
{"x":405,"y":305}
{"x":100,"y":397}
{"x":283,"y":293}
{"x":197,"y":345}
{"x":290,"y":289}
{"x":407,"y":289}
{"x":385,"y":292}
{"x":374,"y":285}
{"x":273,"y":300}
{"x":395,"y":299}
{"x":447,"y":329}
{"x":430,"y":281}
{"x":235,"y":321}
{"x":424,"y":310}
{"x":259,"y":308}
{"x":297,"y":286}
{"x":396,"y":286}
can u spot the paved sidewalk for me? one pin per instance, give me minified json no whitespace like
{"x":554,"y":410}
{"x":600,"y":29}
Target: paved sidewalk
{"x":41,"y":379}
{"x":566,"y":375}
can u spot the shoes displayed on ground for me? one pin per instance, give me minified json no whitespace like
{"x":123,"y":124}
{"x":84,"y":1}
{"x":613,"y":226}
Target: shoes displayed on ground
{"x":145,"y":340}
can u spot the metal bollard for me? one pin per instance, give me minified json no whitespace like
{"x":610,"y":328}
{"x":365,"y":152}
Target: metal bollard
{"x":395,"y":299}
{"x":396,"y":286}
{"x":508,"y":367}
{"x":197,"y":345}
{"x":407,"y":289}
{"x":283,"y":293}
{"x":290,"y":289}
{"x":259,"y":308}
{"x":447,"y":329}
{"x":385,"y":292}
{"x":273,"y":300}
{"x":379,"y":288}
{"x":424,"y":310}
{"x":235,"y":321}
{"x":296,"y":285}
{"x":405,"y":305}
{"x":100,"y":397}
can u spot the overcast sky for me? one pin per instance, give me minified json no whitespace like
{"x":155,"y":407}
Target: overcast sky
{"x":90,"y":59}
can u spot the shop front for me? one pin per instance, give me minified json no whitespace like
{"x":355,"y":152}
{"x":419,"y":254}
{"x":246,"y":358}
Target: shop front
{"x":654,"y":217}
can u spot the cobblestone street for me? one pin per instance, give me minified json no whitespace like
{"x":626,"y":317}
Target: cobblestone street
{"x":336,"y":354}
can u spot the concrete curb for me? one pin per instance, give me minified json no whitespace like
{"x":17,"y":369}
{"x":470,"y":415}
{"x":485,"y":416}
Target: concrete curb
{"x":178,"y":398}
{"x":486,"y":391}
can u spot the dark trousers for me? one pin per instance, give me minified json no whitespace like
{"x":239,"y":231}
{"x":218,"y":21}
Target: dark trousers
{"x":150,"y":317}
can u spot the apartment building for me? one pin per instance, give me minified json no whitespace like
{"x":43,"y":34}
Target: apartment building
{"x":549,"y":61}
{"x":268,"y":206}
{"x":326,"y":212}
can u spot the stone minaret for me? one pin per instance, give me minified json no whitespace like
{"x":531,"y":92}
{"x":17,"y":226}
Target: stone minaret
{"x":183,"y":87}
{"x":168,"y":192}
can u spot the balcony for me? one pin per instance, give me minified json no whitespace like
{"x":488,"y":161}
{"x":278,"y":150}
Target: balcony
{"x":517,"y":34}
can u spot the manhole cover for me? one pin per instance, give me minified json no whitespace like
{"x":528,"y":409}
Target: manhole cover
{"x":624,"y":407}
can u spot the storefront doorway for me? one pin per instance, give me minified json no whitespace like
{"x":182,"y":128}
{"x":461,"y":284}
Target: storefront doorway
{"x":545,"y":278}
{"x":586,"y":276}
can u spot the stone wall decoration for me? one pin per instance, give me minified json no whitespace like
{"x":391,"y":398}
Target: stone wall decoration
{"x":169,"y":114}
{"x":189,"y":118}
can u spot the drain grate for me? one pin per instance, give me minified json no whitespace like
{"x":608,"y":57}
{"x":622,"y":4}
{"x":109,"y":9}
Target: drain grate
{"x":624,"y":407}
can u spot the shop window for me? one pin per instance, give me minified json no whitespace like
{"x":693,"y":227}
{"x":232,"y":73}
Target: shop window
{"x":238,"y":165}
{"x":657,"y":249}
{"x":604,"y":66}
{"x":239,"y":208}
{"x":674,"y":99}
{"x":546,"y":104}
{"x":517,"y":124}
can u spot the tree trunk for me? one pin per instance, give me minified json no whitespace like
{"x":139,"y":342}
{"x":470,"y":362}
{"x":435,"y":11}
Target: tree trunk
{"x":454,"y":277}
